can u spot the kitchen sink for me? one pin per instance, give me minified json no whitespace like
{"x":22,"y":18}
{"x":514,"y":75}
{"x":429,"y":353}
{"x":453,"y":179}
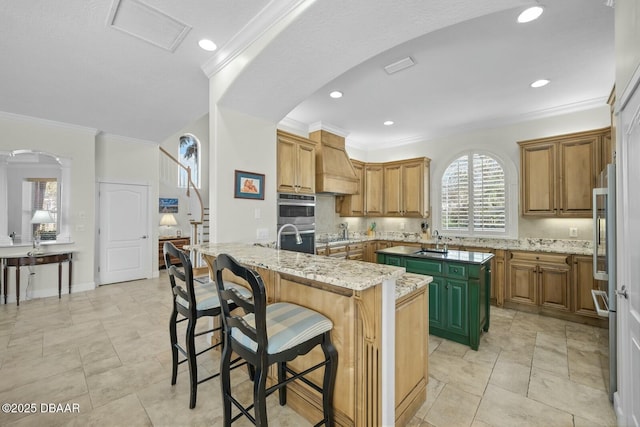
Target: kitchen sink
{"x":427,"y":251}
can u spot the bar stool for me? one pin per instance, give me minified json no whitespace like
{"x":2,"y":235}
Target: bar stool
{"x":191,"y":302}
{"x":267,"y":335}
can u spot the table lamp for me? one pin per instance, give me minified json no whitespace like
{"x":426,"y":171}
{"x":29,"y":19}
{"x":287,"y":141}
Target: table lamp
{"x":40,"y":216}
{"x":168,"y":220}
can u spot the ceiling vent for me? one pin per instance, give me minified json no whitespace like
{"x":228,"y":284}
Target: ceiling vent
{"x":146,"y":23}
{"x":399,"y":65}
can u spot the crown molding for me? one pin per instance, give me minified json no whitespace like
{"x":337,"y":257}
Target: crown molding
{"x":126,"y":139}
{"x":45,"y":122}
{"x":329,"y":128}
{"x":293,"y":126}
{"x":269,"y":16}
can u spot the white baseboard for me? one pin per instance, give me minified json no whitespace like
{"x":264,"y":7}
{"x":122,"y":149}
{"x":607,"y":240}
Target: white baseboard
{"x":50,"y":292}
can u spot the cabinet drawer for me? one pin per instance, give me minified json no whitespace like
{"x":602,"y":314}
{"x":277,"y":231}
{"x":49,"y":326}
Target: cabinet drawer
{"x":540,"y":258}
{"x":459,"y":271}
{"x":322,"y":250}
{"x":424,"y":266}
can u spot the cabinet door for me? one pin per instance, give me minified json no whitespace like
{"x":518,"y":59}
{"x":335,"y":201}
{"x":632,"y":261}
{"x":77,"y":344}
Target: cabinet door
{"x":577,"y":175}
{"x":553,"y":282}
{"x":436,"y":303}
{"x":287,"y":153}
{"x":373,"y":189}
{"x":414,"y":197}
{"x":370,"y":251}
{"x":392,"y":190}
{"x":583,"y":283}
{"x":522,"y":283}
{"x":353,"y":204}
{"x":498,"y":271}
{"x":306,"y":169}
{"x":538,"y":179}
{"x":457,"y":309}
{"x":606,"y":150}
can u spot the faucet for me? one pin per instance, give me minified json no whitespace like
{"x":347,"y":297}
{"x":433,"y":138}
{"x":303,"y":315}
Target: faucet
{"x":298,"y":237}
{"x":438,"y":238}
{"x":344,"y":227}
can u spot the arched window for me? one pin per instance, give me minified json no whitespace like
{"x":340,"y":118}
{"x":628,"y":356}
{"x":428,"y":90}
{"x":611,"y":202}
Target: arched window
{"x":474,"y":196}
{"x":189,"y":155}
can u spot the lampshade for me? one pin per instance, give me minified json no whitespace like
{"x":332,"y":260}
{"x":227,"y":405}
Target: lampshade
{"x":41,"y":216}
{"x":168,"y":219}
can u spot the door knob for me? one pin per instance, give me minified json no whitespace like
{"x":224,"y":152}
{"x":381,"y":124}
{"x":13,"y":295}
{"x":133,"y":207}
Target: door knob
{"x":143,"y":237}
{"x":623,"y":292}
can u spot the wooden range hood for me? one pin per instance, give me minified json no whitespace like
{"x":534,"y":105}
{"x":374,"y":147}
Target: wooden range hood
{"x":334,"y":172}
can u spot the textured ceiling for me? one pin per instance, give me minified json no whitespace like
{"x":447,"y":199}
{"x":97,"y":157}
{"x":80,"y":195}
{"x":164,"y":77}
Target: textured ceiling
{"x":62,"y":62}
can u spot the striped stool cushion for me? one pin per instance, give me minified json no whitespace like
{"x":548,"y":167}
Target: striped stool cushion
{"x":207,"y":295}
{"x":287,"y":326}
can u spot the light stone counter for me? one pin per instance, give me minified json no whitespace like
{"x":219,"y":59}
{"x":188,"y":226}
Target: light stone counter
{"x":563,"y":246}
{"x":354,"y":275}
{"x":410,"y":282}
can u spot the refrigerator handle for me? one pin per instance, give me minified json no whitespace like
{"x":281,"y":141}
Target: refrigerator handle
{"x":596,"y":233}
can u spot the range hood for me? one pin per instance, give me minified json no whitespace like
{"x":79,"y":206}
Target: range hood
{"x":334,"y":172}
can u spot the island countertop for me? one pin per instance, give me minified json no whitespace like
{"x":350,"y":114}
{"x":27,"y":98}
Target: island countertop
{"x":354,"y":275}
{"x":452,"y":255}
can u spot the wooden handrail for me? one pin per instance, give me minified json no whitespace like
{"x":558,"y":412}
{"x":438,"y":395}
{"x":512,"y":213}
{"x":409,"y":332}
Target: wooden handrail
{"x":189,"y":184}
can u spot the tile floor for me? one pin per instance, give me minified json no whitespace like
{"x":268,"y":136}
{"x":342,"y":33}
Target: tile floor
{"x":106,"y":352}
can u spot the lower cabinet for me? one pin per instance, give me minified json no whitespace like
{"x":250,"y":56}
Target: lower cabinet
{"x":583,"y":283}
{"x":538,"y":279}
{"x":458,"y":296}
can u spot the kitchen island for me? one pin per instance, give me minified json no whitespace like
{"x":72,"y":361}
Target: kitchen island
{"x":459,"y":293}
{"x":380,"y":329}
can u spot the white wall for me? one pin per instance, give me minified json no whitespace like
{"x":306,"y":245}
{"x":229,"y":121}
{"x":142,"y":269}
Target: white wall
{"x":77,"y":144}
{"x":248,"y":144}
{"x":130,"y":161}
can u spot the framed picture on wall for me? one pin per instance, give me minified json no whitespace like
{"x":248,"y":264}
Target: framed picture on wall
{"x":249,"y":185}
{"x":168,"y":205}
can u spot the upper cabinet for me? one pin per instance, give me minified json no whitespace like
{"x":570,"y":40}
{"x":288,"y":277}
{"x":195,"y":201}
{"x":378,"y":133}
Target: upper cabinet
{"x":406,"y":188}
{"x":296,"y":164}
{"x":389,"y":189}
{"x":557,"y":174}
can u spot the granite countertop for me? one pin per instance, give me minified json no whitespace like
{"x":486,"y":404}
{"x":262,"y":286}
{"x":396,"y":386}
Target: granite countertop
{"x":355,"y":275}
{"x":452,"y":255}
{"x":410,"y":282}
{"x":563,"y":246}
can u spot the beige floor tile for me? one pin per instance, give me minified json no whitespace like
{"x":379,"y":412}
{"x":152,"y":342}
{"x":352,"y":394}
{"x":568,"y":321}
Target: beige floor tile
{"x":434,"y":343}
{"x":500,"y":407}
{"x":115,"y":383}
{"x":486,"y":354}
{"x":550,"y":354}
{"x":453,"y":407}
{"x":62,"y":387}
{"x":58,"y":417}
{"x":467,"y":376}
{"x":20,"y":372}
{"x":566,"y":395}
{"x":511,"y":376}
{"x":125,"y":411}
{"x":434,"y":388}
{"x":452,"y":348}
{"x":589,"y":368}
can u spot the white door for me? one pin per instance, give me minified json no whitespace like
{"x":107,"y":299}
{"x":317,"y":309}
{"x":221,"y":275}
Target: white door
{"x":123,"y":235}
{"x":629,"y":263}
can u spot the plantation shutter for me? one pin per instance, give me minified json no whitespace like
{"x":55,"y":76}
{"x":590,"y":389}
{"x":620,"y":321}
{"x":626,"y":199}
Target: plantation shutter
{"x":473,"y":195}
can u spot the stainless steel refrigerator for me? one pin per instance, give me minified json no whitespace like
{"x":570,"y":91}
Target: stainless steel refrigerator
{"x":604,"y":260}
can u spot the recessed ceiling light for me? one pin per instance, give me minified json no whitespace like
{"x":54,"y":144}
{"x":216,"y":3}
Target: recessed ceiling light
{"x":336,"y":94}
{"x":540,"y":83}
{"x":530,"y":14}
{"x":207,"y":45}
{"x":388,"y":123}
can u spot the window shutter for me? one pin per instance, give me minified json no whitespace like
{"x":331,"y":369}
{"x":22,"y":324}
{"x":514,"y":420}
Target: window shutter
{"x":455,"y":195}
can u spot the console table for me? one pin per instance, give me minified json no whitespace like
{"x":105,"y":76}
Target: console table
{"x":18,"y":261}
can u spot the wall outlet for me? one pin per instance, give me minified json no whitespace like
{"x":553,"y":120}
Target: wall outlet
{"x":256,"y":213}
{"x":402,"y":226}
{"x":262,"y":233}
{"x":573,"y":231}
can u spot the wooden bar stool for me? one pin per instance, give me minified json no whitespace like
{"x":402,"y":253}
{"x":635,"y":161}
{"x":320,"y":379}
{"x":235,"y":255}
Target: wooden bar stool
{"x":270,"y":334}
{"x":191,"y":302}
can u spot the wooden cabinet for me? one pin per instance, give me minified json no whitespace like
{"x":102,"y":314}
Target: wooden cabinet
{"x":296,"y":164}
{"x":406,"y":188}
{"x":179,"y":243}
{"x":583,"y":283}
{"x":557,"y":174}
{"x":370,"y":251}
{"x":398,"y":188}
{"x":353,"y":204}
{"x":538,"y":279}
{"x":352,"y":251}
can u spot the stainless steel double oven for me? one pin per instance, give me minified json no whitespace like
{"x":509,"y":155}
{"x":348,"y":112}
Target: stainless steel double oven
{"x":299,"y":210}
